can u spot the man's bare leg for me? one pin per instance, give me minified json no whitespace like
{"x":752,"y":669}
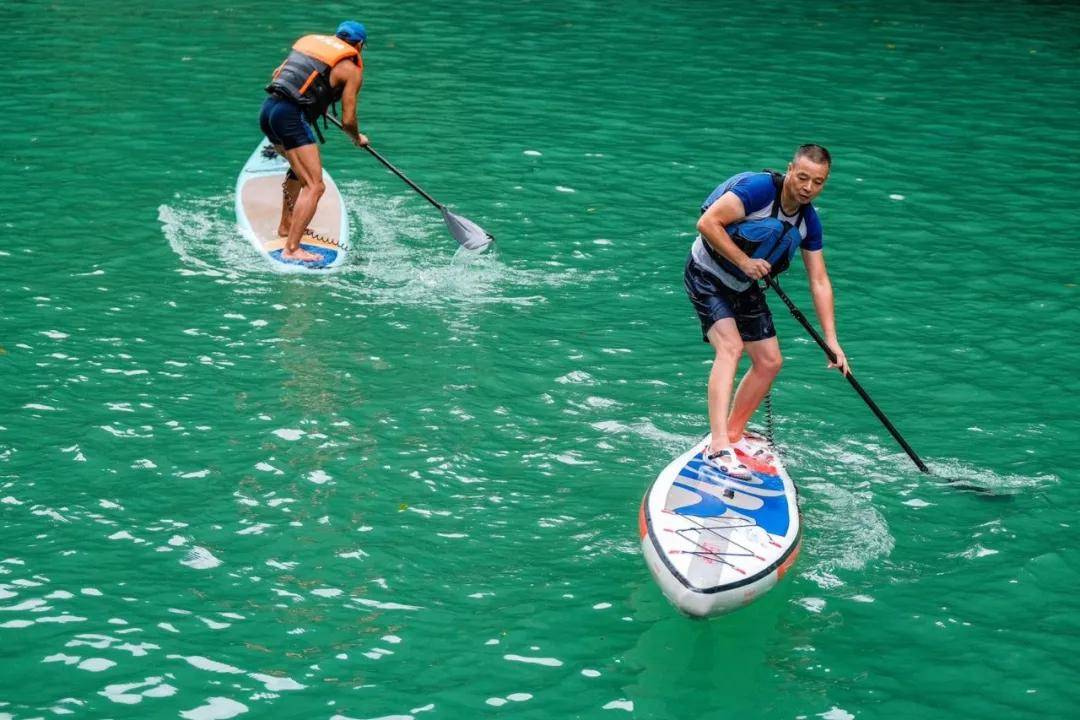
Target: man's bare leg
{"x":724,"y":337}
{"x":307,"y":164}
{"x":765,"y":359}
{"x":290,"y":190}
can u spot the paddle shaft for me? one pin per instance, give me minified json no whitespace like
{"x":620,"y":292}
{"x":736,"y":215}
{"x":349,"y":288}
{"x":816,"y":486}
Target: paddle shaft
{"x":391,"y":168}
{"x":797,"y":314}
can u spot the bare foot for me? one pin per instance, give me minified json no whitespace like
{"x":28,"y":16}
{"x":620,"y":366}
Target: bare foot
{"x":283,"y":231}
{"x":300,"y":255}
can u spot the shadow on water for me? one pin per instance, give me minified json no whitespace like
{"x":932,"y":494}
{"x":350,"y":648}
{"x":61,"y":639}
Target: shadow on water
{"x":726,"y":666}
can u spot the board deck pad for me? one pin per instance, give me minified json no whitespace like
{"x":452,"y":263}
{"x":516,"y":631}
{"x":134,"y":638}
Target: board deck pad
{"x":258,"y":213}
{"x":715,"y":543}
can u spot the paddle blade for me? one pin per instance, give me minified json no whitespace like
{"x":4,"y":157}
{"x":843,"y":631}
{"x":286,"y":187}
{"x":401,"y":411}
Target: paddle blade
{"x":470,"y":235}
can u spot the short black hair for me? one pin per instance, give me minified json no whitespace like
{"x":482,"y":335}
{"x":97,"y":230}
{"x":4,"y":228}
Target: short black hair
{"x":814,"y":153}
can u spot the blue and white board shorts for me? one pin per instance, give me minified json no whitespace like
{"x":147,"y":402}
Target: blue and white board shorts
{"x":713,"y":300}
{"x":283,"y":123}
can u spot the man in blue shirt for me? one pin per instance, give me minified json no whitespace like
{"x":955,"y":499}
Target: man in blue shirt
{"x":726,"y":261}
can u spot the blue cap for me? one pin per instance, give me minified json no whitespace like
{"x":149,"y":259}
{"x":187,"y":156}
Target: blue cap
{"x":352,"y":32}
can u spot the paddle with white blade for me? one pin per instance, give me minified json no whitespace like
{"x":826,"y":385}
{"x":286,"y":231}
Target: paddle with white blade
{"x":468,"y":234}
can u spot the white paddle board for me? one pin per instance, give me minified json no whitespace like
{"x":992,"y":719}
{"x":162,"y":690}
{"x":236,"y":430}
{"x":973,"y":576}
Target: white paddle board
{"x":714,"y":543}
{"x":258,"y":213}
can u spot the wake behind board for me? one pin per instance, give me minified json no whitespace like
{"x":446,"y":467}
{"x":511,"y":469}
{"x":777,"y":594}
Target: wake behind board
{"x":714,"y":543}
{"x":258,"y":212}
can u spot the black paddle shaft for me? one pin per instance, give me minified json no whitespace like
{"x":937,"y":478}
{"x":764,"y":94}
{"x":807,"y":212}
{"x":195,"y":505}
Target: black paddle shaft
{"x":389,"y":166}
{"x":797,"y":314}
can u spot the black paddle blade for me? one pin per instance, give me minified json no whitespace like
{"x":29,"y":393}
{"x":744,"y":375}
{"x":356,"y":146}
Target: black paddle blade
{"x":468,"y":234}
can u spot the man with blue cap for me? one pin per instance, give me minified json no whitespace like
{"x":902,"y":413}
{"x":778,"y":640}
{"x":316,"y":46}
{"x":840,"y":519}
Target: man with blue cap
{"x":320,"y":71}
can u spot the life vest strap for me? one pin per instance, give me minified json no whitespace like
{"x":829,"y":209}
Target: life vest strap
{"x":778,"y":183}
{"x":307,"y":83}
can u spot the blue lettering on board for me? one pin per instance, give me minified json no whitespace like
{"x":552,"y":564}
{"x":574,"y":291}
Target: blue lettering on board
{"x":772,"y":516}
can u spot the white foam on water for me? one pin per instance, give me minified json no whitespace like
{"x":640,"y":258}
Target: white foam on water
{"x":957,"y":471}
{"x":319,"y":477}
{"x":971,"y":553}
{"x":160,"y":691}
{"x":61,"y":657}
{"x":851,"y":532}
{"x":26,"y":605}
{"x":385,"y":605}
{"x":203,"y":234}
{"x":399,"y":262}
{"x":577,"y":377}
{"x":835,"y":713}
{"x":289,"y":434}
{"x":122,"y":692}
{"x":96,"y":664}
{"x":216,"y":708}
{"x":276,"y":684}
{"x":627,"y":705}
{"x":589,"y":673}
{"x":202,"y":663}
{"x":546,"y":661}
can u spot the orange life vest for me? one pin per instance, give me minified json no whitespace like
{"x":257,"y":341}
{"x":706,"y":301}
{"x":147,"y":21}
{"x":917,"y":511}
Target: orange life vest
{"x":304,"y":77}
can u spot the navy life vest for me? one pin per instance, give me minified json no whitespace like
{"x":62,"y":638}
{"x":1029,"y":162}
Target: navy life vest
{"x":770,"y":239}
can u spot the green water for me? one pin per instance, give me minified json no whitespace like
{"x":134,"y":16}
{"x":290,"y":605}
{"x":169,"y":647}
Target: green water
{"x":410,"y":489}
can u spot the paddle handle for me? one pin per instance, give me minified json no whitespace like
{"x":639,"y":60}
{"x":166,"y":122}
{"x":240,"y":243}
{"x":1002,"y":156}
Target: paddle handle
{"x":389,"y":166}
{"x":850,"y":377}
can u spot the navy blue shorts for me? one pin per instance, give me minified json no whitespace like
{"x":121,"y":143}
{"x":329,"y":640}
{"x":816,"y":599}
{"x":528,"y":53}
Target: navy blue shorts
{"x":284,"y":123}
{"x":713,"y":300}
